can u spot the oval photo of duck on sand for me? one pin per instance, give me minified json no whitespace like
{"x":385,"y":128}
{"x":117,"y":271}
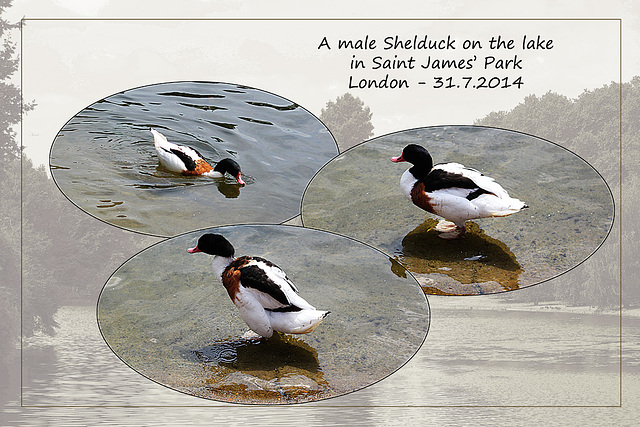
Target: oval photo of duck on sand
{"x":467,"y":210}
{"x":174,"y":157}
{"x":263,"y":314}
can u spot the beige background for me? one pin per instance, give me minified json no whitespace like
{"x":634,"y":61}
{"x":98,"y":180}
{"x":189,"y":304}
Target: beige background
{"x":88,"y":60}
{"x":68,"y":64}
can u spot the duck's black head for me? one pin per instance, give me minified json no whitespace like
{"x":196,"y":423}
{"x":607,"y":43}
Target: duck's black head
{"x":417,"y":156}
{"x":213,"y":244}
{"x":230,"y":166}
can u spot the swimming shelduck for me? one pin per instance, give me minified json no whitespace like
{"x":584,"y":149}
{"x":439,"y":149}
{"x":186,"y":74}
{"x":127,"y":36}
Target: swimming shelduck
{"x":187,"y":161}
{"x":266,"y":299}
{"x":452,"y":191}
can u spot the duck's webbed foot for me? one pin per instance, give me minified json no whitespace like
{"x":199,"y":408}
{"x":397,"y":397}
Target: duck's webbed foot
{"x":250,"y":335}
{"x":449,"y":230}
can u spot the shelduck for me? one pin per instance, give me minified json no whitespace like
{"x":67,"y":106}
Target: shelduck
{"x":265,"y":297}
{"x":187,"y":161}
{"x":452,"y":191}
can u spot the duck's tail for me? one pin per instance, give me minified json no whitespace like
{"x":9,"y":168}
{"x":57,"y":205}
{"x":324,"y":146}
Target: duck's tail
{"x":297,"y":322}
{"x":510,"y":207}
{"x":158,"y":139}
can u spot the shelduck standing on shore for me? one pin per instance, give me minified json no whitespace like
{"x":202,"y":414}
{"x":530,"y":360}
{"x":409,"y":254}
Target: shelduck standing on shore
{"x":187,"y":161}
{"x":452,"y":191}
{"x":266,"y":299}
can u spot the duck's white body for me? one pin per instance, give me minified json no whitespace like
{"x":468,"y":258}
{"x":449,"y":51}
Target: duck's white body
{"x":187,"y":161}
{"x":452,"y":203}
{"x":180,"y":158}
{"x":265,"y":297}
{"x":258,"y":307}
{"x":453,"y":191}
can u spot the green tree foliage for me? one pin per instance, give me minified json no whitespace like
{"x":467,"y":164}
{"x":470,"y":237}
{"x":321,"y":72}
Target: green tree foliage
{"x":348,"y":119}
{"x":9,"y":93}
{"x":9,"y":206}
{"x":590,"y":126}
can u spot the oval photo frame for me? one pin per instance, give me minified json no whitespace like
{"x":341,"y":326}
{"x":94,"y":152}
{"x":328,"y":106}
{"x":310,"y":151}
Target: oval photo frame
{"x":104,"y":160}
{"x":570,"y":209}
{"x":166,"y":316}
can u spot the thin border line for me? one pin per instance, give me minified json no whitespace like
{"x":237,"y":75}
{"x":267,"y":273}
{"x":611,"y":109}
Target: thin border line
{"x":317,"y":19}
{"x":21,"y":208}
{"x":620,"y":207}
{"x":314,"y":405}
{"x":309,"y":405}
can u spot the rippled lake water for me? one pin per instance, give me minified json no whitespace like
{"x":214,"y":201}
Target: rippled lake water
{"x":165,"y":314}
{"x":570,"y":209}
{"x":104,"y":158}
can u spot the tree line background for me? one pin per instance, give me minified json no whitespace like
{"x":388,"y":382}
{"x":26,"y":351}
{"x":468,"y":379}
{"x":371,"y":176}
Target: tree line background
{"x":590,"y":125}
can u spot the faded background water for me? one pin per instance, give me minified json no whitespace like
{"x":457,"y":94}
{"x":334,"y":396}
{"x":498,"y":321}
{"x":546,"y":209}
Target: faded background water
{"x":531,"y":359}
{"x":105,"y":162}
{"x":570,"y":208}
{"x":166,"y":315}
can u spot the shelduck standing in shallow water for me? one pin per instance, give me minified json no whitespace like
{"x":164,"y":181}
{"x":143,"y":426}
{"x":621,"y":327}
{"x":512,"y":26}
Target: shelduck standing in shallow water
{"x":187,"y":161}
{"x":266,"y":299}
{"x":452,"y":191}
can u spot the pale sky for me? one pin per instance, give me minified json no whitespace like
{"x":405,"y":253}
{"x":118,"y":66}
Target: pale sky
{"x":69,"y":64}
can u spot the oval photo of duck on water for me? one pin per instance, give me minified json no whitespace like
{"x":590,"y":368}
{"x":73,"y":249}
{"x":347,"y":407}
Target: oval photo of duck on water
{"x":174,"y":157}
{"x":468,"y":210}
{"x":263,"y":314}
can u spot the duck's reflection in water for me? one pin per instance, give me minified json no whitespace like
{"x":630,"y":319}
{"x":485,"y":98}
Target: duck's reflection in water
{"x":230,"y":191}
{"x":476,"y":264}
{"x":170,"y":182}
{"x":281,"y":369}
